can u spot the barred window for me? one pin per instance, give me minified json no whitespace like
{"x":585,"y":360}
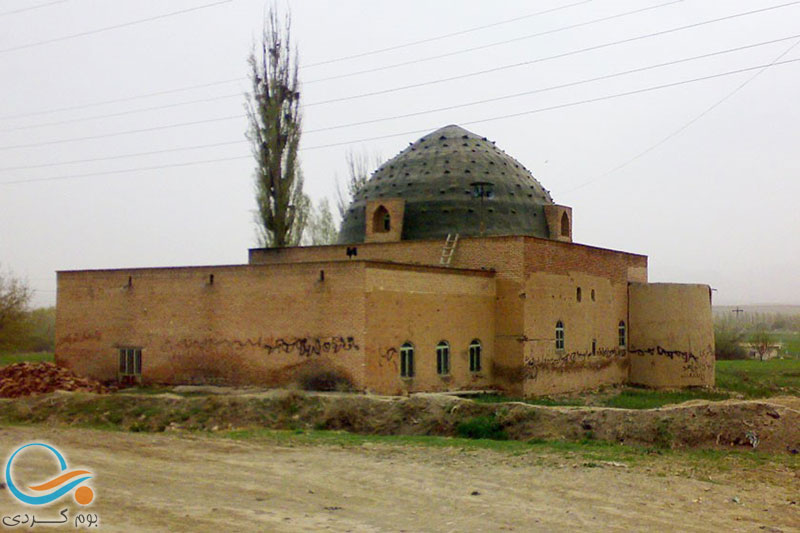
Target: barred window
{"x":443,"y":358}
{"x":407,"y":360}
{"x":475,"y":356}
{"x":622,"y":334}
{"x":559,"y":335}
{"x":130,"y":361}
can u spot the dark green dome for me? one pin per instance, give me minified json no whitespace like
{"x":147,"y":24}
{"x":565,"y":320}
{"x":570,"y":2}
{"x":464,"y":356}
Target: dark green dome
{"x":435,"y":175}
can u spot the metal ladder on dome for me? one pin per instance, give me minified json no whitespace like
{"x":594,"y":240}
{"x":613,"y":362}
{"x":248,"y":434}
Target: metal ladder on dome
{"x":449,"y":248}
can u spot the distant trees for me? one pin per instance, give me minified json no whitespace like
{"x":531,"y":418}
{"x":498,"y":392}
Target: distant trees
{"x":273,"y":110}
{"x":321,"y":228}
{"x":14,"y":298}
{"x":360,"y":166}
{"x":22,"y":329}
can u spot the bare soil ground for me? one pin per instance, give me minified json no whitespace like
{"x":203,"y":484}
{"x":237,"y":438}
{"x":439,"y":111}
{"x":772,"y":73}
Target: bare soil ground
{"x":198,"y":482}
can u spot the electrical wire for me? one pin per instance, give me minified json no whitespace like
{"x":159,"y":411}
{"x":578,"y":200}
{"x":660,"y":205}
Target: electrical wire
{"x":417,"y":113}
{"x":557,"y":56}
{"x":422,"y":84}
{"x":406,"y":133}
{"x":239,"y":79}
{"x":445,"y":36}
{"x":491,"y":45}
{"x":407,"y":115}
{"x":114,"y":27}
{"x":688,"y":124}
{"x":31,"y":8}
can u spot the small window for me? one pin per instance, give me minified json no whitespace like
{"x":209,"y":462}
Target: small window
{"x":578,"y":294}
{"x":475,"y":356}
{"x":407,"y":360}
{"x":564,"y":225}
{"x":130,"y":361}
{"x":592,"y":294}
{"x":381,"y":220}
{"x":622,"y":336}
{"x":594,"y":346}
{"x":559,"y":335}
{"x":443,"y":358}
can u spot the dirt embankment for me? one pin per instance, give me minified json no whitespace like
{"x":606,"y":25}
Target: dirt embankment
{"x":769,"y":425}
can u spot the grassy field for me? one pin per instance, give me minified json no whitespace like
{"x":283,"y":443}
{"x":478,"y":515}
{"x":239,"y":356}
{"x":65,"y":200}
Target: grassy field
{"x":790,"y":342}
{"x":33,"y":357}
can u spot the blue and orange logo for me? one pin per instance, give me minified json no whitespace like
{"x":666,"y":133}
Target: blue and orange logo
{"x":51,"y":490}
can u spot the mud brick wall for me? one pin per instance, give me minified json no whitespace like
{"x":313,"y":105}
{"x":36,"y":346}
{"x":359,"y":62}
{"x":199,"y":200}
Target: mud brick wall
{"x":672,"y":335}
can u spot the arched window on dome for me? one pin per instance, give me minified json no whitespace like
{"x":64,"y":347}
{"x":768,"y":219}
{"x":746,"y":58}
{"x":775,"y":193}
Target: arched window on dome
{"x":381,"y":220}
{"x":564,"y":225}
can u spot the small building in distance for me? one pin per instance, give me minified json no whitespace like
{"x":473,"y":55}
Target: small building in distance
{"x":455,"y":270}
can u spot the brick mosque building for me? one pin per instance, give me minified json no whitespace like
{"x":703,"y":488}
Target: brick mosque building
{"x":455,"y":270}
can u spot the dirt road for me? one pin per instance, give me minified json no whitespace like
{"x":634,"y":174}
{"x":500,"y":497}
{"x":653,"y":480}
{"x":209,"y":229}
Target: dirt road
{"x":164,"y":482}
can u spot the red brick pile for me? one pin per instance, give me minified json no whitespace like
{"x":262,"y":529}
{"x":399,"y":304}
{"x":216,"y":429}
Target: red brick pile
{"x":24,"y":379}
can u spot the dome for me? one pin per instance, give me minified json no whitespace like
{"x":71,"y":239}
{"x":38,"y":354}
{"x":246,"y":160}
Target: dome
{"x":436,"y":178}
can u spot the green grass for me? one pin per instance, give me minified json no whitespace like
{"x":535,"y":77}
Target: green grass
{"x":590,"y":452}
{"x":790,"y":342}
{"x":32,"y":357}
{"x":759,"y":379}
{"x":635,"y":398}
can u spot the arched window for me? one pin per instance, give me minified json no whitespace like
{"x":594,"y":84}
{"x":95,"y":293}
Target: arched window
{"x":407,"y":360}
{"x":381,"y":220}
{"x":594,"y":346}
{"x":578,"y":294}
{"x":592,"y":294}
{"x":475,"y":356}
{"x":559,"y":335}
{"x":443,"y":358}
{"x":622,"y":337}
{"x":564,"y":225}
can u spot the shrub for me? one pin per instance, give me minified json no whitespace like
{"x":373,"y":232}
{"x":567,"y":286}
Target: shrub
{"x":481,"y":427}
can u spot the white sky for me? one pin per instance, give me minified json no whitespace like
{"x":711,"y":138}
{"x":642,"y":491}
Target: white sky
{"x":717,"y":203}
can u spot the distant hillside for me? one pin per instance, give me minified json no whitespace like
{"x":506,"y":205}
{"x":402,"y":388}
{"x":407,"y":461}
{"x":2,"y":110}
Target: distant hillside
{"x":769,"y":309}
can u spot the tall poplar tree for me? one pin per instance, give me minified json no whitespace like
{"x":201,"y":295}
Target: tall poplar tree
{"x":273,"y":110}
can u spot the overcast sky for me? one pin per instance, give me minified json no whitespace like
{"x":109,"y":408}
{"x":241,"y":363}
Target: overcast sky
{"x":712,"y":198}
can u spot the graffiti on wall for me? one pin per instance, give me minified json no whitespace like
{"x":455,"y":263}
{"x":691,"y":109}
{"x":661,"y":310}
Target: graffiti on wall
{"x":389,"y":356}
{"x":302,"y":346}
{"x":81,"y":336}
{"x":694,"y":365}
{"x":574,"y":361}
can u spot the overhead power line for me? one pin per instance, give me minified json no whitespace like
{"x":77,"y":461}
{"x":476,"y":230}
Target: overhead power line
{"x":691,"y":122}
{"x":167,"y":106}
{"x":445,"y":36}
{"x":122,"y":113}
{"x":114,"y":27}
{"x":560,"y":106}
{"x":120,"y":100}
{"x":491,"y":45}
{"x":381,"y":119}
{"x":31,"y":8}
{"x":559,"y":86}
{"x":407,"y":133}
{"x":549,"y":58}
{"x":239,"y":79}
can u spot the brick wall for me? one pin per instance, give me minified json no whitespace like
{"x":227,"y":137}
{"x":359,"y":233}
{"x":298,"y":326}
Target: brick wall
{"x":672,"y":335}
